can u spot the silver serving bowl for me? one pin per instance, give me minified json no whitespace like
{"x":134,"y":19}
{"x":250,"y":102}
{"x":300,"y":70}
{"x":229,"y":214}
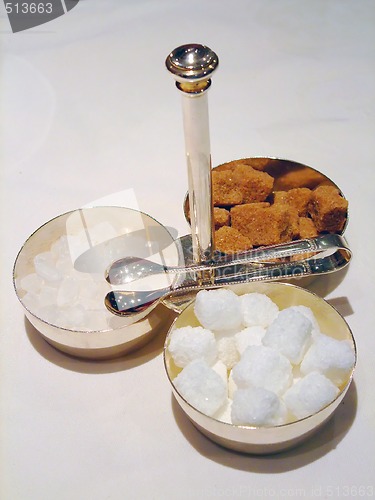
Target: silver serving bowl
{"x":94,"y":237}
{"x":265,"y":440}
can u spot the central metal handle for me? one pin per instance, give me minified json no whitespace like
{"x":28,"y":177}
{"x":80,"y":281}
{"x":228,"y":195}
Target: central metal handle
{"x":192,"y":65}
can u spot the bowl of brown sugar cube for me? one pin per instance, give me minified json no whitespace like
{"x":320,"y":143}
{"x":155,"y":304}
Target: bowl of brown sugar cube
{"x":266,"y":201}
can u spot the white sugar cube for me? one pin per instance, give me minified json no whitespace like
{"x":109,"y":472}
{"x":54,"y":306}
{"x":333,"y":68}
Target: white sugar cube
{"x":64,"y":265}
{"x":202,"y":387}
{"x":307,"y":312}
{"x":31,"y":301}
{"x":290,"y":333}
{"x":91,"y":292}
{"x":50,"y":314}
{"x":309,"y":395}
{"x":220,"y":368}
{"x":67,"y":293}
{"x":218,"y":310}
{"x":75,"y":317}
{"x":47,"y":296}
{"x":232,"y":386}
{"x":97,"y":320}
{"x":190,"y":343}
{"x":60,"y":248}
{"x":257,"y":406}
{"x":334,"y":358}
{"x":262,"y":366}
{"x":31,"y":283}
{"x":224,"y":413}
{"x":252,"y":335}
{"x":101,"y":232}
{"x":227,"y":351}
{"x":258,"y":309}
{"x":44,"y":264}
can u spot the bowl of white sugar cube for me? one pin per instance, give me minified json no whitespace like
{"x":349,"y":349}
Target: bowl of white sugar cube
{"x":59,"y":278}
{"x":259,"y":367}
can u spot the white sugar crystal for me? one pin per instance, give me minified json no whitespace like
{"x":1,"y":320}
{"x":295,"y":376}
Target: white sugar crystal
{"x":252,"y":335}
{"x":97,"y":320}
{"x":220,"y":368}
{"x":257,"y":406}
{"x":309,"y":395}
{"x":67,"y":293}
{"x":218,"y":310}
{"x":101,"y":232}
{"x":64,"y":265}
{"x":224,"y":413}
{"x":227,"y":351}
{"x":75,"y":317}
{"x":47,"y":296}
{"x":202,"y":387}
{"x":307,"y":312}
{"x":50,"y":314}
{"x":290,"y":333}
{"x":45,"y":267}
{"x":258,"y":309}
{"x":262,"y":366}
{"x":334,"y":358}
{"x":60,"y":248}
{"x":92,"y":293}
{"x":190,"y":343}
{"x":31,"y":301}
{"x":31,"y":283}
{"x":232,"y":386}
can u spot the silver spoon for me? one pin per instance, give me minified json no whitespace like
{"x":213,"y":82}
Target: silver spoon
{"x":129,"y":269}
{"x":331,"y":254}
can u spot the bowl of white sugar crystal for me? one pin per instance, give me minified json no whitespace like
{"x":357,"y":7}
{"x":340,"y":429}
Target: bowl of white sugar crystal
{"x":259,"y":367}
{"x":59,"y":278}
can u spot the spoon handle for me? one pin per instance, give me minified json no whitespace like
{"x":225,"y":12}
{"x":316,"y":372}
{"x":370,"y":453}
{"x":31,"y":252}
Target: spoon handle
{"x":270,"y":256}
{"x":326,"y":262}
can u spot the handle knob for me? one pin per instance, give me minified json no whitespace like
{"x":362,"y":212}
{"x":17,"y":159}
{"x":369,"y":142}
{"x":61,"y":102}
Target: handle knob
{"x":192,"y":65}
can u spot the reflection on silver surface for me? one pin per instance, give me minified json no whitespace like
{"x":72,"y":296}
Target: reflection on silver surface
{"x":328,"y":253}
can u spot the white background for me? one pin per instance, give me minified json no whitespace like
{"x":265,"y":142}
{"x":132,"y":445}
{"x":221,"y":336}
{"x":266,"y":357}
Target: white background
{"x":89,"y":110}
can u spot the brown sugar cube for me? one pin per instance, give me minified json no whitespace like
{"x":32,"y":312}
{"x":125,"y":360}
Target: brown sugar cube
{"x":298,"y":178}
{"x":264,"y":226}
{"x":307,"y":228}
{"x":229,"y":240}
{"x":298,"y":198}
{"x":221,"y":217}
{"x":255,"y":185}
{"x":255,"y":163}
{"x":241,"y":184}
{"x":328,"y":209}
{"x":225,"y":191}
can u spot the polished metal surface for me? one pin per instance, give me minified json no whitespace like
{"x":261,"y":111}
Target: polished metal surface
{"x":131,"y":269}
{"x":329,"y":253}
{"x":192,"y":63}
{"x":266,"y":440}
